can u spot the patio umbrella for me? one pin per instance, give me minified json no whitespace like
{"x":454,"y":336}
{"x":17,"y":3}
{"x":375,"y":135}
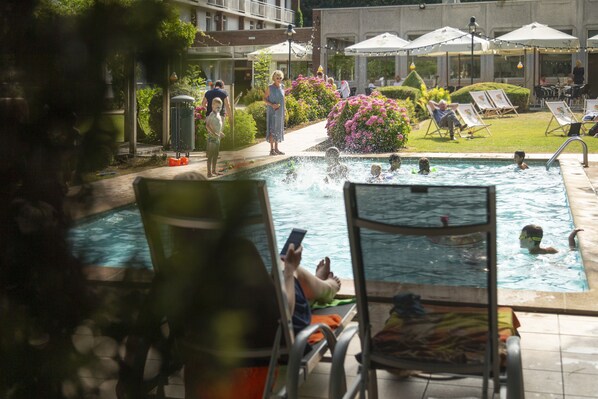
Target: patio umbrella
{"x":383,"y":43}
{"x":280,"y":52}
{"x":542,"y":38}
{"x":447,"y":41}
{"x":592,"y":44}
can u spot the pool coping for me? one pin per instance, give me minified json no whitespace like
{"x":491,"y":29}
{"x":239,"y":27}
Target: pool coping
{"x":581,"y":195}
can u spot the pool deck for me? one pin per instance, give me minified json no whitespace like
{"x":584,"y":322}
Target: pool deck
{"x":559,"y":330}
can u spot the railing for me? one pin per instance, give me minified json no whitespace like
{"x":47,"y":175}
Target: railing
{"x":256,"y":9}
{"x":565,"y":144}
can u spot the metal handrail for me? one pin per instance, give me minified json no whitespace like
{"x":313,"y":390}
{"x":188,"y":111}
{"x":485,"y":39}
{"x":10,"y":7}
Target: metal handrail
{"x":565,"y":144}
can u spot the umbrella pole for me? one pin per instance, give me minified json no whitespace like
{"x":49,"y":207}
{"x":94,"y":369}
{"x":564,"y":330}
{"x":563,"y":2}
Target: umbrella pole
{"x":447,"y":70}
{"x":534,"y":76}
{"x":459,"y":69}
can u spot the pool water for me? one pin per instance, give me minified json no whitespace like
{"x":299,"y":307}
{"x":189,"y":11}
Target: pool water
{"x":533,"y":196}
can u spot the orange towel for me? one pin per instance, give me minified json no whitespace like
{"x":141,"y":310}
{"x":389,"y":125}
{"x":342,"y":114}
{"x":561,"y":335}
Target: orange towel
{"x":331,"y":320}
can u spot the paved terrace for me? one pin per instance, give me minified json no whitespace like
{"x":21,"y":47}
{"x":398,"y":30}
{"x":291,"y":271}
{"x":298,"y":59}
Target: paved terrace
{"x":559,"y":331}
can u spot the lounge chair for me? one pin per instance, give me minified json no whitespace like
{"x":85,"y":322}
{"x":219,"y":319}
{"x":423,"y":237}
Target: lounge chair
{"x":564,"y":117}
{"x":590,"y":105}
{"x":221,"y":308}
{"x":441,"y":131}
{"x":473,"y":120}
{"x":484,"y":104}
{"x":501,"y":101}
{"x":426,"y":288}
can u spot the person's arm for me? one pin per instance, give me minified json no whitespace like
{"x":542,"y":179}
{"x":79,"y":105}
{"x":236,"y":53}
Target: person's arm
{"x":454,"y":106}
{"x":433,"y":104}
{"x":572,"y":244}
{"x":229,"y":112}
{"x":268,"y":103}
{"x":291,"y":264}
{"x":204,"y":102}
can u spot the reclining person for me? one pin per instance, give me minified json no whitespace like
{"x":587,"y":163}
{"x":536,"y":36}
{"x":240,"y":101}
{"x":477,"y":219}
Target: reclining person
{"x":445,"y":116}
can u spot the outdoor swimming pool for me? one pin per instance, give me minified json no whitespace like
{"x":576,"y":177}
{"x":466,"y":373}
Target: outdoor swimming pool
{"x":523,"y":197}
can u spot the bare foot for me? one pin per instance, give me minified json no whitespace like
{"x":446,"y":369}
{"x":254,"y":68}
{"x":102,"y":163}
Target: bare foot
{"x":323,"y":269}
{"x":337,"y":281}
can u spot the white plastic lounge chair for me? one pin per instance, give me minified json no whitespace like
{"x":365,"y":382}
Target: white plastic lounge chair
{"x":590,"y":105}
{"x":473,"y":120}
{"x":484,"y":104}
{"x":564,"y":117}
{"x":426,"y":288}
{"x":222,"y":308}
{"x":502,"y":102}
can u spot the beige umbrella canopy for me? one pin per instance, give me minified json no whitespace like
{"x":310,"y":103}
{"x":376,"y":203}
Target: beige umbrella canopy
{"x":541,"y":37}
{"x":447,"y":40}
{"x":280,"y":52}
{"x":386,"y":43}
{"x":592,"y":44}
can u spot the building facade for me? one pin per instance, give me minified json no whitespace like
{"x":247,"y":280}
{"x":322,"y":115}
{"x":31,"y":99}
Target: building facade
{"x":341,"y":27}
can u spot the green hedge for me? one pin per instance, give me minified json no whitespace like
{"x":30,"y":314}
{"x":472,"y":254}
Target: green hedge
{"x":519,"y":96}
{"x":258,"y":111}
{"x":245,"y":129}
{"x":400,"y":93}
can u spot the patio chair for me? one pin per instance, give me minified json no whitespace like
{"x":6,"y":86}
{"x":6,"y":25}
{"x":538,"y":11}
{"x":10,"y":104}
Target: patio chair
{"x":590,"y":105}
{"x":473,"y":120}
{"x":426,"y":288}
{"x":502,"y":102}
{"x":564,"y":117}
{"x":433,"y":127}
{"x":221,"y":308}
{"x":484,"y":104}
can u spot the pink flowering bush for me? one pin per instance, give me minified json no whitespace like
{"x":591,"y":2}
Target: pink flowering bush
{"x":318,"y":96}
{"x":368,"y":124}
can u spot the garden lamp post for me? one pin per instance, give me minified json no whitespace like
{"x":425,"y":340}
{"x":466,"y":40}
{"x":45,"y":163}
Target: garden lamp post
{"x":472,"y":28}
{"x":290,"y":33}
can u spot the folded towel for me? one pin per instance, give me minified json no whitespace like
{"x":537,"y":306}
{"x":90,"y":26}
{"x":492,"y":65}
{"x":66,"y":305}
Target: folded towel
{"x":334,"y":302}
{"x":331,"y":320}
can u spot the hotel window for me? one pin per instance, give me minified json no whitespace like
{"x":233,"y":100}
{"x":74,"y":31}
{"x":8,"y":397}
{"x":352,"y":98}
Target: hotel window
{"x":224,"y":22}
{"x":209,"y":22}
{"x":251,"y":25}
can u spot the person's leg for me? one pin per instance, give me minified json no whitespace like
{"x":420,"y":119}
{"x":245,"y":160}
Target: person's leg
{"x":210,"y":155}
{"x":447,"y":121}
{"x":321,"y":287}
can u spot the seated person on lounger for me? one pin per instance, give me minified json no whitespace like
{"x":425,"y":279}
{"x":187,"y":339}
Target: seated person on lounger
{"x":445,"y":116}
{"x":531,"y":237}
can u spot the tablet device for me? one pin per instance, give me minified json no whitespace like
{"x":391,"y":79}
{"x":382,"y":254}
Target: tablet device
{"x":295,"y":237}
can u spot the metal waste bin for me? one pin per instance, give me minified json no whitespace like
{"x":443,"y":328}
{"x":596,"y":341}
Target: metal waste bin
{"x":182,"y":124}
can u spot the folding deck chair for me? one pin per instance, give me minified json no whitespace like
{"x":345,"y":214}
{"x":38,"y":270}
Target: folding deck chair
{"x":564,"y":117}
{"x":442,"y":131}
{"x":221,"y":308}
{"x":502,"y":102}
{"x":590,"y":107}
{"x":424,"y":266}
{"x":484,"y":104}
{"x":473,"y":120}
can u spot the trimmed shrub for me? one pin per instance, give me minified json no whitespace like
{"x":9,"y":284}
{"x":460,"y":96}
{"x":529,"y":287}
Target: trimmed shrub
{"x":257,"y":110}
{"x":368,"y":124}
{"x":245,"y":130}
{"x":144,"y":97}
{"x":296,"y":111}
{"x":519,"y":96}
{"x":415,"y":81}
{"x":318,"y":95}
{"x":401,"y":93}
{"x":253,"y":95}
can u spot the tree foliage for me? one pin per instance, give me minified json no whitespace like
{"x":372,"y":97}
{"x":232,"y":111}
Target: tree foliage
{"x":261,"y":70}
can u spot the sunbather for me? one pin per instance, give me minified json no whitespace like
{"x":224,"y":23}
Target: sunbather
{"x":531,"y":237}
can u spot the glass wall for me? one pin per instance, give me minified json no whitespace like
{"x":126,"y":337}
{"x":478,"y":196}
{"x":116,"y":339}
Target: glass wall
{"x":340,"y":66}
{"x":426,"y":67}
{"x":460,"y":68}
{"x":380,"y":67}
{"x":506,"y":66}
{"x":558,"y":65}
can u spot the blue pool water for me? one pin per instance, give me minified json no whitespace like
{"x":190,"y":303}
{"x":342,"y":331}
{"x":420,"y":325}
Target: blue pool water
{"x":523,"y":197}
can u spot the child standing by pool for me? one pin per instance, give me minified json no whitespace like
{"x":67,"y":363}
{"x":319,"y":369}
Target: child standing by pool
{"x":531,"y":237}
{"x":518,"y":158}
{"x":214,"y":126}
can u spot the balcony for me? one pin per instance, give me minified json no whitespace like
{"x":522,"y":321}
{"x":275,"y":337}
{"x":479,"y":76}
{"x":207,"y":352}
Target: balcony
{"x":255,"y":9}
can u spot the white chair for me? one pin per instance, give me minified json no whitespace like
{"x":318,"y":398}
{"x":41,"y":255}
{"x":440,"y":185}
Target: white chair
{"x":442,"y":131}
{"x":473,"y":120}
{"x":484,"y":104}
{"x":502,"y":102}
{"x":562,"y":114}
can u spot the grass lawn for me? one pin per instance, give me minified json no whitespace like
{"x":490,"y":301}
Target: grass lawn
{"x":509,"y":133}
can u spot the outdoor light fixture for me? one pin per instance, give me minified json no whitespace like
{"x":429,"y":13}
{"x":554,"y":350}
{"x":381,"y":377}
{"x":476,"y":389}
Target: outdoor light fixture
{"x":173,"y":78}
{"x":473,"y":26}
{"x":290,"y":33}
{"x":520,"y":65}
{"x":422,"y":6}
{"x":412,"y":66}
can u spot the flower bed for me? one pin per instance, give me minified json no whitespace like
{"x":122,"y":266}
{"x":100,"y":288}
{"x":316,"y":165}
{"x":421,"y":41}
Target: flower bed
{"x":368,"y":124}
{"x":318,"y":95}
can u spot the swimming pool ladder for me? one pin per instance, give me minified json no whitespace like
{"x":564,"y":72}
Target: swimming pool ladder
{"x":565,"y":144}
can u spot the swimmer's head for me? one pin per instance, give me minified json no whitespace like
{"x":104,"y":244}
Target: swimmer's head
{"x":395,"y":161}
{"x":376,"y":169}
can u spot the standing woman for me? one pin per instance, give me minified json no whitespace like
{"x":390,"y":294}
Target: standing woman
{"x":578,"y":73}
{"x":274,"y":99}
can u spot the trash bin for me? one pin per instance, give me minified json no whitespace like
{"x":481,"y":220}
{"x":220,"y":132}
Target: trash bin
{"x":182,"y":124}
